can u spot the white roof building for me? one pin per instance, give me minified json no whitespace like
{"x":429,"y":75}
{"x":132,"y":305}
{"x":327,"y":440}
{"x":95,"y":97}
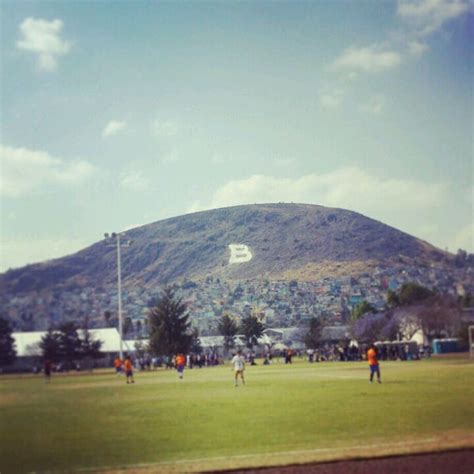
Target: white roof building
{"x":27,"y":343}
{"x":218,"y":341}
{"x":131,"y":343}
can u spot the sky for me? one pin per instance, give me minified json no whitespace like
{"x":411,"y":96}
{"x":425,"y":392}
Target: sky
{"x":118,"y":114}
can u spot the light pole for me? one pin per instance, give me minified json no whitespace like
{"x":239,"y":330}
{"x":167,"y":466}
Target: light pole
{"x":118,"y":244}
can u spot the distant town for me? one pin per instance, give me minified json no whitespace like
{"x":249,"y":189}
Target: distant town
{"x":277,"y":304}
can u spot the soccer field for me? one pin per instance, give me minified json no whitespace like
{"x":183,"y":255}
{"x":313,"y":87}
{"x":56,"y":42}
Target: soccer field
{"x":285,"y":414}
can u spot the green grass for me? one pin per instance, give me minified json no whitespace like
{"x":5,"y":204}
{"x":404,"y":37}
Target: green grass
{"x":97,"y":421}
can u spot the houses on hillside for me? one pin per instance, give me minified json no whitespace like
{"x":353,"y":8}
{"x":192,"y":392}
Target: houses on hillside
{"x":275,"y":303}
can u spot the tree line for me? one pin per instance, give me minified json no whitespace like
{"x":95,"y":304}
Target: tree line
{"x":409,"y":310}
{"x":412,"y":308}
{"x":170,"y":333}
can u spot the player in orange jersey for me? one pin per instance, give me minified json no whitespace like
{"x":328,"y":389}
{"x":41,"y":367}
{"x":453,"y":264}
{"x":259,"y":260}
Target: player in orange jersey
{"x":373,"y":363}
{"x":118,"y":365}
{"x":180,"y":363}
{"x":128,"y":369}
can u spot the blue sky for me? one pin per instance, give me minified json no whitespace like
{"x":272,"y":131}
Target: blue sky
{"x":118,"y":114}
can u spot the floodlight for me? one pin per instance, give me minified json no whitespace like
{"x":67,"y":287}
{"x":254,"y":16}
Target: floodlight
{"x":114,"y":241}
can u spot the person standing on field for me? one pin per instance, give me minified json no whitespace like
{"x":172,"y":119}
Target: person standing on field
{"x":128,"y":369}
{"x":180,"y":363}
{"x":47,"y":370}
{"x":373,"y":363}
{"x":238,"y":363}
{"x":118,"y":365}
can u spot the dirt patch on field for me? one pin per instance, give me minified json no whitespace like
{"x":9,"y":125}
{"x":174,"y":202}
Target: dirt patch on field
{"x":459,"y":462}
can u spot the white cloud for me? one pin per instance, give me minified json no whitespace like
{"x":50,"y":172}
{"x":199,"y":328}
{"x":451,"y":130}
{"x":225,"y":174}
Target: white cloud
{"x":370,"y":59}
{"x":416,"y":48}
{"x":19,"y":252}
{"x":43,"y":38}
{"x":331,"y":99}
{"x":348,"y":188}
{"x":197,"y":206}
{"x":428,"y":16}
{"x":164,"y":129}
{"x":373,"y":106}
{"x":113,"y":127}
{"x":25,"y":171}
{"x":134,"y":181}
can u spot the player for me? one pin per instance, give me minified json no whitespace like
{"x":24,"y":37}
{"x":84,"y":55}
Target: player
{"x":128,"y":369}
{"x":180,"y":363}
{"x":118,"y":363}
{"x":373,"y":363}
{"x":47,"y":370}
{"x":238,"y":363}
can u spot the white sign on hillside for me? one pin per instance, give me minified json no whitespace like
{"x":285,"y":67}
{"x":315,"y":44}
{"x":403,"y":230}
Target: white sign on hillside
{"x":239,"y":253}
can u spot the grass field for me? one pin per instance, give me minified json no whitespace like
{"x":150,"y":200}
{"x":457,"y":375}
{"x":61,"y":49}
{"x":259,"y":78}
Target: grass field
{"x":285,"y":414}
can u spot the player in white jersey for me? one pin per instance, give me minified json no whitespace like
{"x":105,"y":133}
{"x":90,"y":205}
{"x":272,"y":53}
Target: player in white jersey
{"x":238,"y":363}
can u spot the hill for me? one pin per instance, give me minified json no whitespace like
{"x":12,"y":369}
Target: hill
{"x":272,"y":241}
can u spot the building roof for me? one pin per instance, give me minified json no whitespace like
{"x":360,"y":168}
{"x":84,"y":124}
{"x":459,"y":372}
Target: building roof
{"x":284,"y":333}
{"x":27,"y":343}
{"x":217,"y":341}
{"x":131,"y":344}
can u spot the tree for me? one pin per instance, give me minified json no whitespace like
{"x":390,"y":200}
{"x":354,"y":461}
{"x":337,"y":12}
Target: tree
{"x":362,"y":308}
{"x":49,"y":346}
{"x":70,"y":345}
{"x":7,"y":344}
{"x":437,"y":316}
{"x":140,"y":348}
{"x":312,"y":337}
{"x":370,"y":327}
{"x":127,"y":325}
{"x":196,"y":347}
{"x":107,"y":317}
{"x":169,"y":325}
{"x":153,"y":301}
{"x":392,"y":299}
{"x":252,"y":329}
{"x":139,"y":327}
{"x":228,"y":328}
{"x":440,"y":316}
{"x":408,"y":321}
{"x":460,"y":258}
{"x":412,"y":292}
{"x":467,"y":300}
{"x":90,"y":348}
{"x":392,"y":329}
{"x":463,"y":336}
